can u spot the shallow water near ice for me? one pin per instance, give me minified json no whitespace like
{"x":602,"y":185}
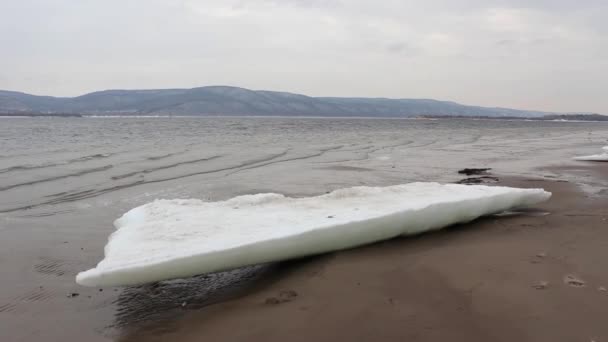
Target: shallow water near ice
{"x":64,"y":181}
{"x":51,"y":166}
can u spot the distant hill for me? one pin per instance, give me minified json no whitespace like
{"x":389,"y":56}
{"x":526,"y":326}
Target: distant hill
{"x":222,"y":100}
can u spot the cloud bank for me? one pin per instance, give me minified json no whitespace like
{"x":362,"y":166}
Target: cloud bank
{"x":546,"y":55}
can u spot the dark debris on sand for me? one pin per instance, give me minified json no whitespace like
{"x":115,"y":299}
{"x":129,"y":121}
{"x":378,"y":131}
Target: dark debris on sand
{"x":478,"y":180}
{"x":473,"y":171}
{"x":484,"y":176}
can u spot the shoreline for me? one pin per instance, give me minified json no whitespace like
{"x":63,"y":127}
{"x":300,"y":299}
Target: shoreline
{"x":595,"y":119}
{"x":498,"y":278}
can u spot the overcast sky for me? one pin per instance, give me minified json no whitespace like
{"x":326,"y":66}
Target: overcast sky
{"x":545,"y":54}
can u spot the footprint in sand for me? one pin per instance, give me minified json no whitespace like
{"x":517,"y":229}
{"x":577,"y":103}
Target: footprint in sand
{"x":574,"y":281}
{"x":283,"y":297}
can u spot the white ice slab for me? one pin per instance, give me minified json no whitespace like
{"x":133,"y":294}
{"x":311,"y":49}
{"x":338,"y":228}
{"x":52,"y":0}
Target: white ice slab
{"x":169,"y":239}
{"x":595,"y":157}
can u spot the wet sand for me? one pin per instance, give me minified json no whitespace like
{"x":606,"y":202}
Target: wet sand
{"x":539,"y":275}
{"x":498,"y":279}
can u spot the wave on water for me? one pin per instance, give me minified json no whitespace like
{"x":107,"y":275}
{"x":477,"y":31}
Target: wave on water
{"x":53,"y":164}
{"x":54,"y":178}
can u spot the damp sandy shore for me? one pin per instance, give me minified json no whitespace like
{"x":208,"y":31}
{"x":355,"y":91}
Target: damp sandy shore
{"x":539,"y":275}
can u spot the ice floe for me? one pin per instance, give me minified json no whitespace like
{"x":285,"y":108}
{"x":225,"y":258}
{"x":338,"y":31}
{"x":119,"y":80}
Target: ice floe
{"x":169,"y":239}
{"x":595,"y":157}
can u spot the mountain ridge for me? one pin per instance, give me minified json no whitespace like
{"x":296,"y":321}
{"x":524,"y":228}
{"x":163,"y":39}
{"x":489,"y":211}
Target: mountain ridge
{"x":230,"y":101}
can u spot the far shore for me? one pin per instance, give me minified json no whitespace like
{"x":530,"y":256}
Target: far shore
{"x":550,"y":118}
